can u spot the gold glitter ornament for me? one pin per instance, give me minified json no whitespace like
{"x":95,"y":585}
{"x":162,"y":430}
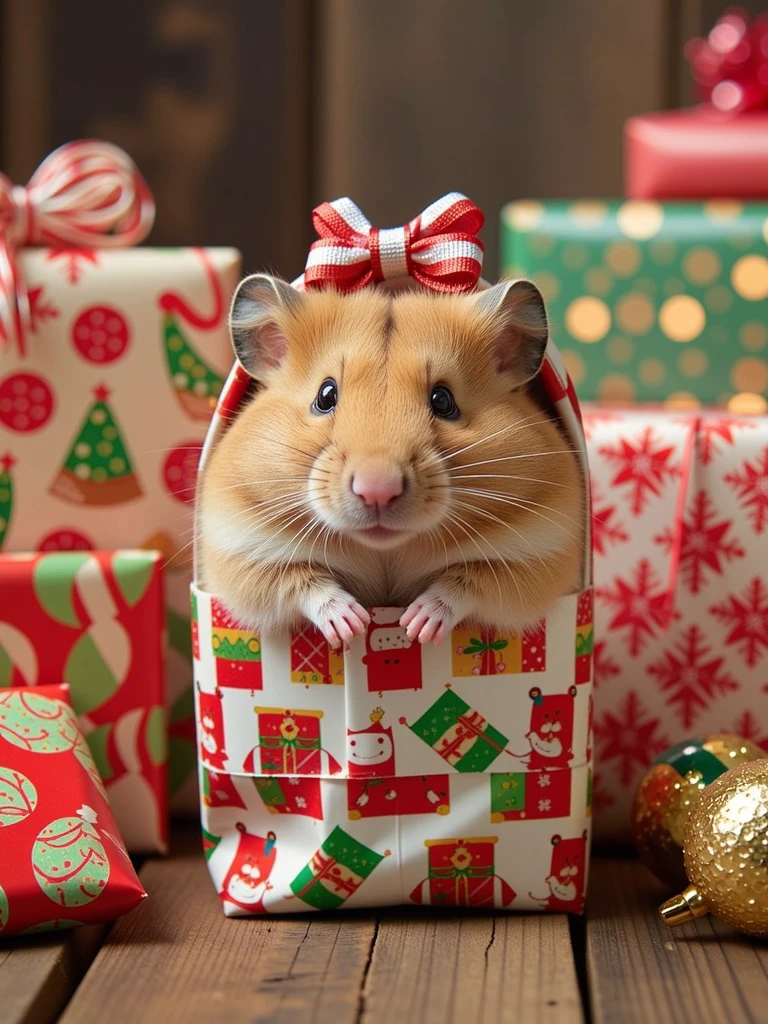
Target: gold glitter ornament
{"x":726,"y":853}
{"x":669,"y":790}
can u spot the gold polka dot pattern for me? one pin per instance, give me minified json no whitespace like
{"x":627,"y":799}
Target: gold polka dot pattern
{"x":682,"y":318}
{"x":652,"y":372}
{"x":753,"y":336}
{"x":692,"y":362}
{"x":588,"y":319}
{"x":750,"y":277}
{"x":635,"y":313}
{"x":623,"y":258}
{"x":747,"y":404}
{"x":639,"y":219}
{"x":701,"y":265}
{"x":620,"y":350}
{"x":749,"y":374}
{"x":617,"y":389}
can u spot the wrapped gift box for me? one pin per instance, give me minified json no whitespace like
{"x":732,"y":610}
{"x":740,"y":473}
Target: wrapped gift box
{"x":648,"y":301}
{"x":95,"y":621}
{"x":681,"y":592}
{"x":63,"y":861}
{"x":700,"y":153}
{"x":103,"y":412}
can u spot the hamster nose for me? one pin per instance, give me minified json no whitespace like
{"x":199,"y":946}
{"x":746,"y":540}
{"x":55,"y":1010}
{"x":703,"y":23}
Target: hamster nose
{"x":379,"y":489}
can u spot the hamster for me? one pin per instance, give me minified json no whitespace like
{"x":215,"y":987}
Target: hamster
{"x":392,"y":455}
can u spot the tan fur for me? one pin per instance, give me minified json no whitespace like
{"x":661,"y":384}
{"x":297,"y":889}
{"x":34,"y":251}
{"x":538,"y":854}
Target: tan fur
{"x":278,"y":516}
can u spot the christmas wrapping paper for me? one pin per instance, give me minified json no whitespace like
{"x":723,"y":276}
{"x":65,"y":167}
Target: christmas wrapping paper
{"x":680,"y":520}
{"x":63,"y":861}
{"x":436,"y":787}
{"x":103,"y":412}
{"x":700,"y":153}
{"x":390,"y":773}
{"x":648,"y":301}
{"x":94,"y":620}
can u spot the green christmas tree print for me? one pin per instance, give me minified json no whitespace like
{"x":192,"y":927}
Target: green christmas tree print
{"x":195,"y":383}
{"x":6,"y":494}
{"x":98,"y":470}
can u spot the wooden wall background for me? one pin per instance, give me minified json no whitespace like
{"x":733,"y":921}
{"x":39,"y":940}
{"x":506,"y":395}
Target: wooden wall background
{"x":244,"y":113}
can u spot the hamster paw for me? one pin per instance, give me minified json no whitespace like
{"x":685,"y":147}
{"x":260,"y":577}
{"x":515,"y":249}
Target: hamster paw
{"x":341,"y":618}
{"x":427,"y":618}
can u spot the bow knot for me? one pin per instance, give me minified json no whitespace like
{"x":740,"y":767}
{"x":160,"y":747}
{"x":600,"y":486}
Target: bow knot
{"x":86,"y":194}
{"x":439,"y":248}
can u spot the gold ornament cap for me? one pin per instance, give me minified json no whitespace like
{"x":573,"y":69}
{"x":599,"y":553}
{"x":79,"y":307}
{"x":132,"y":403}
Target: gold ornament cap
{"x":686,"y":907}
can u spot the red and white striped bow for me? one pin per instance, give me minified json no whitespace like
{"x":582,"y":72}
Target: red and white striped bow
{"x":86,"y":194}
{"x":439,"y":248}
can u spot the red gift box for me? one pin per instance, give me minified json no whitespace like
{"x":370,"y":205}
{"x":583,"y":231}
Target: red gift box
{"x":95,"y":620}
{"x":64,"y":862}
{"x":462,"y":874}
{"x":696,"y":154}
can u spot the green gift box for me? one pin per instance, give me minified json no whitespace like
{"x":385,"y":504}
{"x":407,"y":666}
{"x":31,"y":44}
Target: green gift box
{"x":654,"y":302}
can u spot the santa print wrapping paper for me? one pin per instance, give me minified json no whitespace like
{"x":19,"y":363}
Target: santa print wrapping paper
{"x":651,"y":302}
{"x":435,"y":775}
{"x":94,"y":620}
{"x":102,"y":418}
{"x":680,"y":505}
{"x":63,"y":862}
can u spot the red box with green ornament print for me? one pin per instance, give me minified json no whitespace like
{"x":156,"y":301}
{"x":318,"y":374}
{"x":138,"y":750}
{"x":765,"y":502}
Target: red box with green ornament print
{"x":67,"y":865}
{"x":94,"y":620}
{"x":103,"y":411}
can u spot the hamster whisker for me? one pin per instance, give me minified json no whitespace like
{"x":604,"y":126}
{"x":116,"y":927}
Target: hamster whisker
{"x":512,"y":499}
{"x":513,"y":458}
{"x":490,"y":515}
{"x":256,"y":483}
{"x":525,"y":508}
{"x":462,"y":523}
{"x":517,"y":425}
{"x":503,"y":476}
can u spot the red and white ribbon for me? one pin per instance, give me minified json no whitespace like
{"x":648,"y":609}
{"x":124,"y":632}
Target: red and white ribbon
{"x":439,"y":248}
{"x":86,"y":194}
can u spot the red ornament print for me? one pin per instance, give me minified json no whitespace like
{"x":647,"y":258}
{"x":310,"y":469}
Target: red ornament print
{"x":26,"y":402}
{"x":65,"y":540}
{"x":641,"y":606}
{"x":100,"y":334}
{"x":705,"y":543}
{"x":747,"y":615}
{"x":689,"y":677}
{"x":180,"y":470}
{"x":751,"y":485}
{"x":629,"y":740}
{"x":644,"y":467}
{"x":74,"y":261}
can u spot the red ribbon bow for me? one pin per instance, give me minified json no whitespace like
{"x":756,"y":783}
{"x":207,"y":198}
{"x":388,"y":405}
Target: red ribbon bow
{"x":439,"y":248}
{"x":731,"y":64}
{"x":86,"y":194}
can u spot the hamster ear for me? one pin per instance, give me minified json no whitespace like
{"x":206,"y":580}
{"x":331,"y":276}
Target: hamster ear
{"x":519,"y":318}
{"x":259,"y":310}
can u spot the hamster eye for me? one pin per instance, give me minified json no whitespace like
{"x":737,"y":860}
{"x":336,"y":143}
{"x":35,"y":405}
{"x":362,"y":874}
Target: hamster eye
{"x":443,"y":403}
{"x":327,"y":396}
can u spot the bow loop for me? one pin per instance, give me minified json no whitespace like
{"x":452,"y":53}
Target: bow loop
{"x":439,"y":248}
{"x":86,"y":194}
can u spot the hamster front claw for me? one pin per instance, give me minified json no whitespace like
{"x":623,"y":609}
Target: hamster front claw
{"x":340,"y":618}
{"x":427,"y":618}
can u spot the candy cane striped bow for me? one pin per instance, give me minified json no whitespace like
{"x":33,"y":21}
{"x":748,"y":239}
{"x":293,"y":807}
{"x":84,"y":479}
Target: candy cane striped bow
{"x":439,"y":248}
{"x":86,"y":194}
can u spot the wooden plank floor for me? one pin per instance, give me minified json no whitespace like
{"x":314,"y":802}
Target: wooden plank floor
{"x":177,"y":959}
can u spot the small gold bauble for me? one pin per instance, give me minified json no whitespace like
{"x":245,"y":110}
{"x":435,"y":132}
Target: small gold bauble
{"x":726,"y":853}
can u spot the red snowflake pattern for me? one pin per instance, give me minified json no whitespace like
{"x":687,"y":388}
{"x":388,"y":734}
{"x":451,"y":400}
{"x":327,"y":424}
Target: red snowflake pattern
{"x":748,"y":728}
{"x":689,"y":677}
{"x":644,"y":467}
{"x":641,"y":605}
{"x":74,"y":261}
{"x":712,"y":431}
{"x":752,"y":488}
{"x":747,"y":615}
{"x":40,"y":308}
{"x":605,"y":529}
{"x":705,"y":543}
{"x":591,"y":419}
{"x":604,"y":668}
{"x":601,"y":798}
{"x":629,"y":737}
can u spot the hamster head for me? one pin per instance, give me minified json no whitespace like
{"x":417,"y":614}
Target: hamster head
{"x":383,"y":419}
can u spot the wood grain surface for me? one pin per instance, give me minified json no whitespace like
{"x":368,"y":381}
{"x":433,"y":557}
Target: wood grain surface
{"x":640,"y":970}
